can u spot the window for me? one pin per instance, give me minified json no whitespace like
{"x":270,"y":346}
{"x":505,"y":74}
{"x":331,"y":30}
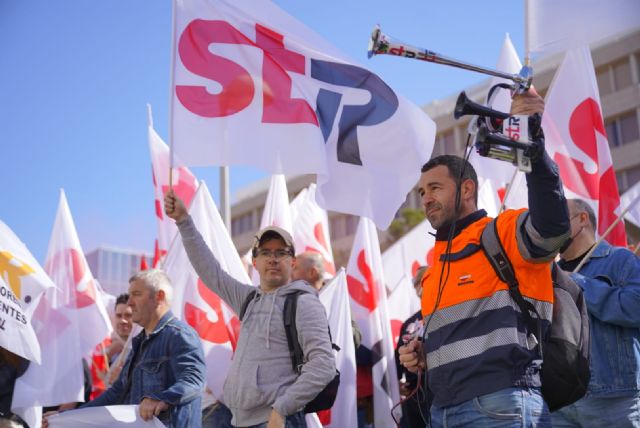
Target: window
{"x":629,"y":128}
{"x":622,"y":74}
{"x":612,"y":133}
{"x":633,"y":176}
{"x":241,"y":224}
{"x":627,"y":178}
{"x":604,"y":82}
{"x":623,"y":129}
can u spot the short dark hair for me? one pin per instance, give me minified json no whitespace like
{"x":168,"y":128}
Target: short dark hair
{"x":269,"y":235}
{"x":582,"y":206}
{"x":121,"y":299}
{"x":455,"y":165}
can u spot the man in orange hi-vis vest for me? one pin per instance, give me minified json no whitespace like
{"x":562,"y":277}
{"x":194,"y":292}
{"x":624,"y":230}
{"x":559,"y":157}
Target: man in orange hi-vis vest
{"x":480,"y":363}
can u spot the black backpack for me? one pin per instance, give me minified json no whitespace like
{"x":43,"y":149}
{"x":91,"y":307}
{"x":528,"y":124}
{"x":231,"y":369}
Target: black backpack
{"x":565,"y":349}
{"x":325,"y":398}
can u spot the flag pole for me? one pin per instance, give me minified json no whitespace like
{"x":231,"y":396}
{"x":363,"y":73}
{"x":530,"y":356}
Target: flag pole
{"x":527,"y":50}
{"x":175,"y":237}
{"x":604,"y":235}
{"x":171,"y":91}
{"x":637,"y":248}
{"x":225,"y":207}
{"x":503,"y":204}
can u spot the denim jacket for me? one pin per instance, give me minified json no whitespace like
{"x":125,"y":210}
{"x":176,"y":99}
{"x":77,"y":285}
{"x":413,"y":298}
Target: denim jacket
{"x":611,"y":283}
{"x":168,"y":366}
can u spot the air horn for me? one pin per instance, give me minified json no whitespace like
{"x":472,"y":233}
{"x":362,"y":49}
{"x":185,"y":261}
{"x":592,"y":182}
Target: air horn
{"x":382,"y":44}
{"x":521,"y":139}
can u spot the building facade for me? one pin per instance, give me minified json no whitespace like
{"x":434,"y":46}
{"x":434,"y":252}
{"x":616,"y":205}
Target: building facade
{"x":113,"y":267}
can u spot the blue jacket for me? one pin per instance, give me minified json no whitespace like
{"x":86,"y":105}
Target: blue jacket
{"x":611,"y":283}
{"x":169,"y":366}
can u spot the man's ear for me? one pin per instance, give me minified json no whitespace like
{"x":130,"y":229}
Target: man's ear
{"x":161,"y":296}
{"x":253,"y":261}
{"x":468,"y":190}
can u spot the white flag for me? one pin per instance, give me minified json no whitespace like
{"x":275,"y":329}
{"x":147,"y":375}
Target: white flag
{"x":254,"y":86}
{"x":277,"y":211}
{"x":630,"y":199}
{"x":106,"y":417}
{"x":365,"y":280}
{"x":184,"y":185}
{"x":401,"y":262}
{"x":335,"y":298}
{"x":22,"y":283}
{"x":70,"y":321}
{"x":194,"y":302}
{"x":498,"y":173}
{"x":556,"y":26}
{"x":576,"y":139}
{"x":311,"y":228}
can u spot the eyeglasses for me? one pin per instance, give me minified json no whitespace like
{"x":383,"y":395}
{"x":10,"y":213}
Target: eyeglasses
{"x":276,"y":254}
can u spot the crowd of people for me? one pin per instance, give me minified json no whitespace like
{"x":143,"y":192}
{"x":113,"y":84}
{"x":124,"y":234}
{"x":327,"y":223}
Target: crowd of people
{"x":465,"y":359}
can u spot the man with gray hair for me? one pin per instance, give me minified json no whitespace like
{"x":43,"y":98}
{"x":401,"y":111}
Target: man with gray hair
{"x":309,"y":267}
{"x":165,"y":371}
{"x":610,"y":279}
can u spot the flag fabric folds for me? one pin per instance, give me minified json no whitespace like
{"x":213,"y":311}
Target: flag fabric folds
{"x":184,"y":184}
{"x":22,"y":284}
{"x":575,"y":138}
{"x":194,"y":302}
{"x":70,"y":321}
{"x":630,"y":198}
{"x":400,"y":263}
{"x":365,"y":281}
{"x":311,"y":228}
{"x":555,"y":26}
{"x":277,"y":212}
{"x":105,"y":417}
{"x":500,"y":175}
{"x":253,"y":86}
{"x":335,"y":298}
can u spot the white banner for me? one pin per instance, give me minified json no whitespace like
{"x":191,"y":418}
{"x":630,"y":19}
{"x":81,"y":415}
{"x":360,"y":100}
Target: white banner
{"x":311,"y":228}
{"x":576,"y":139}
{"x":365,"y":280}
{"x":22,"y":283}
{"x":401,"y":262}
{"x":184,"y":184}
{"x":70,"y":321}
{"x":629,"y":198}
{"x":560,"y":25}
{"x":254,"y":86}
{"x":16,"y":332}
{"x":335,"y":298}
{"x":106,"y":417}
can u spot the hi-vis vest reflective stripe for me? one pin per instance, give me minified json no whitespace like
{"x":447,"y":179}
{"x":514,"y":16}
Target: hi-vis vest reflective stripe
{"x":476,"y":317}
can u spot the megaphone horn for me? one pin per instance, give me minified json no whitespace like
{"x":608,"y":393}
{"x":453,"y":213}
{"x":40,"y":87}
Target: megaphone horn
{"x":465,"y":106}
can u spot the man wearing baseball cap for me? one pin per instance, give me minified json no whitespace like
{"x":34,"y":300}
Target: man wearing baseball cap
{"x":262,"y":389}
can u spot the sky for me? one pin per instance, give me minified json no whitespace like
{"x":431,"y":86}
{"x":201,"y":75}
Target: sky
{"x":76,"y":76}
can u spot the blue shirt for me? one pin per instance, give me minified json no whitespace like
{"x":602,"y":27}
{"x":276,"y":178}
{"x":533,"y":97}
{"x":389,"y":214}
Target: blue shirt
{"x":611,"y":283}
{"x":166,"y":365}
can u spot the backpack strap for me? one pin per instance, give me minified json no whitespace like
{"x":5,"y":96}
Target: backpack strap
{"x":289,"y":315}
{"x":295,"y":349}
{"x":501,"y":264}
{"x":252,"y":294}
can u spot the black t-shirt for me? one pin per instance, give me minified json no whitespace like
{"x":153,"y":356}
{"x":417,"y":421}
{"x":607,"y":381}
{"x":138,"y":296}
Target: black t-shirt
{"x":571,"y":265}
